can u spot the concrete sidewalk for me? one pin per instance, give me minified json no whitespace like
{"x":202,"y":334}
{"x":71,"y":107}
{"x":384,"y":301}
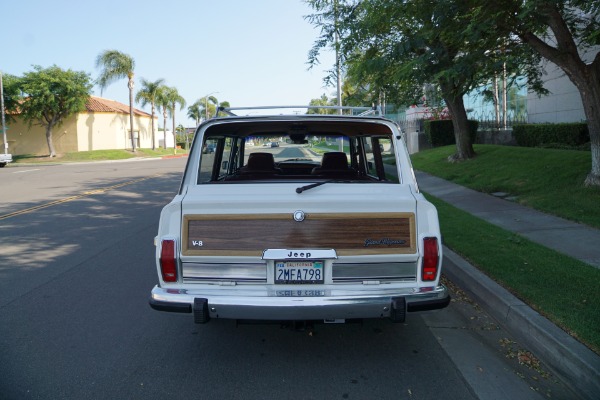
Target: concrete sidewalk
{"x":575,"y":240}
{"x":577,"y":365}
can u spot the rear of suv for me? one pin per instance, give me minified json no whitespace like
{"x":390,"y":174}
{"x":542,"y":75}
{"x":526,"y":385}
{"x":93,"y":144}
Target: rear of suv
{"x":328,"y":225}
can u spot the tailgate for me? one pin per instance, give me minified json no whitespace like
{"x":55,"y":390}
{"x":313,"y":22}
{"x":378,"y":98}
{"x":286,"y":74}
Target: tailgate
{"x":236,"y":220}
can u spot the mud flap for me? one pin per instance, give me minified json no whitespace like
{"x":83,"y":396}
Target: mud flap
{"x":201,"y":315}
{"x":398,"y":311}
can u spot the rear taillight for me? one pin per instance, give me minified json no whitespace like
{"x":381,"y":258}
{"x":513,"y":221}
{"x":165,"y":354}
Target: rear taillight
{"x":168,"y":263}
{"x":431,"y":259}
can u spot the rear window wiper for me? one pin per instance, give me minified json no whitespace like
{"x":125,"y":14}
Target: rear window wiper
{"x":314,"y":185}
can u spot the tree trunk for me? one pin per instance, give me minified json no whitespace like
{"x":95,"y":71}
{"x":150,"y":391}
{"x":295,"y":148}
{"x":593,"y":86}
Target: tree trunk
{"x":130,"y":85}
{"x":585,"y":76}
{"x":153,"y":134}
{"x":460,"y":122}
{"x":496,"y":101}
{"x":590,"y":97}
{"x":49,"y":140}
{"x":165,"y":128}
{"x":174,"y":135}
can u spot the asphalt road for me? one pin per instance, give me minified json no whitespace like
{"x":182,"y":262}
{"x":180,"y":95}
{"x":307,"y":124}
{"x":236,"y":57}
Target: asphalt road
{"x":76,"y":270}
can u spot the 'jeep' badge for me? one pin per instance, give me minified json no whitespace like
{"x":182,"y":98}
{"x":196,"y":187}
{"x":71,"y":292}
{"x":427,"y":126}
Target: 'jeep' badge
{"x":299,"y":216}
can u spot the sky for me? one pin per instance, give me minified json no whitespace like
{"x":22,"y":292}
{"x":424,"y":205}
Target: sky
{"x":247,"y":52}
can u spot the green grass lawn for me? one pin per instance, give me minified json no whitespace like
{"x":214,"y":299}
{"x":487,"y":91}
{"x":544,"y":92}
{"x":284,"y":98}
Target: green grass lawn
{"x":548,"y":180}
{"x":563,"y":289}
{"x":96,"y":155}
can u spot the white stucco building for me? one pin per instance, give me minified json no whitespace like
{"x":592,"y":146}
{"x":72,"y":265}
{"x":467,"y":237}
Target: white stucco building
{"x":103,"y":125}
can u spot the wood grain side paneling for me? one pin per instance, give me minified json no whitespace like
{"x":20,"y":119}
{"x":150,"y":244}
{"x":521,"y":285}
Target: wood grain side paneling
{"x":348,"y":234}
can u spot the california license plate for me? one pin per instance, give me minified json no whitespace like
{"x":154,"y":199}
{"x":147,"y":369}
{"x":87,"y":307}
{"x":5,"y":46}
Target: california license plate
{"x":299,"y":272}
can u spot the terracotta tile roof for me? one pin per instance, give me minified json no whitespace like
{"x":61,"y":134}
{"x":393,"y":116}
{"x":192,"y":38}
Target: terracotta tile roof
{"x":98,"y":104}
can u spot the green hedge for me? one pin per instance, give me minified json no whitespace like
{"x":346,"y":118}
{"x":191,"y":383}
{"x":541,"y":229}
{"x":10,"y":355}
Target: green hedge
{"x":441,"y":132}
{"x":543,"y":135}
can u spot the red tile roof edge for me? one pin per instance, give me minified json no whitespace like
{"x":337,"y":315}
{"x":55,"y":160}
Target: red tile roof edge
{"x":99,"y":104}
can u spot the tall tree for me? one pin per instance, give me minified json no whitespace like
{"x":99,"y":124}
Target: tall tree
{"x":163,"y":102}
{"x":195,"y":112}
{"x":205,"y":107}
{"x":147,"y":95}
{"x":174,"y":99}
{"x":328,"y":17}
{"x":115,"y":65}
{"x":413,"y":42}
{"x":51,"y":95}
{"x":322,"y":101}
{"x":214,"y":100}
{"x":224,"y":104}
{"x":208,"y":106}
{"x":400,"y":46}
{"x":12,"y":95}
{"x":564,"y":32}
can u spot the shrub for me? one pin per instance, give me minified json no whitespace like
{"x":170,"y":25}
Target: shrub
{"x":551,"y":135}
{"x":441,"y":132}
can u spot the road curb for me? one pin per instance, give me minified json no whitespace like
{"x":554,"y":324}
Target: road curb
{"x":175,"y":156}
{"x":574,"y":363}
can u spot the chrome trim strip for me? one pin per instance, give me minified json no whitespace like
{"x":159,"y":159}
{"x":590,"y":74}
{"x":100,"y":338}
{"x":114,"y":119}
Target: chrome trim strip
{"x":382,"y":271}
{"x":216,"y":271}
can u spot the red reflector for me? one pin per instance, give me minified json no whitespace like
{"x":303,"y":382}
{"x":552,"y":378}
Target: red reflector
{"x":430,"y":259}
{"x":168,"y":264}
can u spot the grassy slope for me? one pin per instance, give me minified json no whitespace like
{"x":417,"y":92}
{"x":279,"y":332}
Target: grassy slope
{"x":546,"y":179}
{"x":559,"y":287}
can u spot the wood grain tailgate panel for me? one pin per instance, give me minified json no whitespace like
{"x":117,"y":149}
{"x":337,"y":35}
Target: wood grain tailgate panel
{"x":348,"y":234}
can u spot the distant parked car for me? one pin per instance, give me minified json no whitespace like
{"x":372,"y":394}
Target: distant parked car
{"x":5,"y":159}
{"x":209,"y":148}
{"x":274,"y":144}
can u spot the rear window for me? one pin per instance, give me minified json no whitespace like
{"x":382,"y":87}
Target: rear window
{"x":249,"y":155}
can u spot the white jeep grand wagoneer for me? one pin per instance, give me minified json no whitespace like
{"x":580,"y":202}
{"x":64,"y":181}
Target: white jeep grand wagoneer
{"x":328,"y":225}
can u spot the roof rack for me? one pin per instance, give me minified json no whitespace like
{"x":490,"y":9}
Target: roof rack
{"x":363,"y":111}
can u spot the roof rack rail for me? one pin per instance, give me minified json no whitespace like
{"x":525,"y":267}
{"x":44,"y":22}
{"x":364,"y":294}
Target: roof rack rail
{"x":376,"y":110}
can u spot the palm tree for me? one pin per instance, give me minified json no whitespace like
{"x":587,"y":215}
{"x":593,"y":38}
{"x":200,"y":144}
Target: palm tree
{"x":214,"y":100}
{"x":174,"y":99}
{"x":114,"y":66}
{"x":147,"y":95}
{"x":164,"y":102}
{"x":195,"y":112}
{"x":207,"y":109}
{"x":224,"y":104}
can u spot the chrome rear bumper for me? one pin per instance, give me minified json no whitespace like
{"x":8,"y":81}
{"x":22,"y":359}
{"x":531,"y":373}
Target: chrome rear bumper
{"x":288,"y":305}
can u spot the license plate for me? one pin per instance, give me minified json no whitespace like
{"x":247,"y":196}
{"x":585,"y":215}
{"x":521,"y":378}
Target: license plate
{"x":299,"y":272}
